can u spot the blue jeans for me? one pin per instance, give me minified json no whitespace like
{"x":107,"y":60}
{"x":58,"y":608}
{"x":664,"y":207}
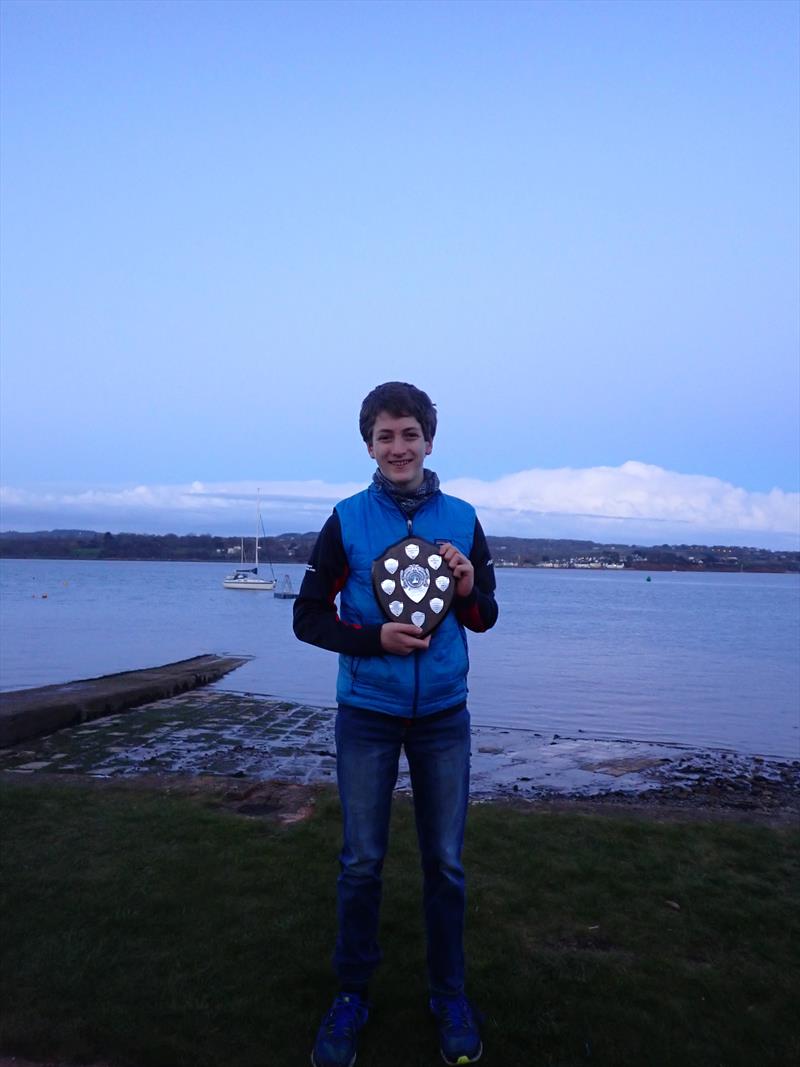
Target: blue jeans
{"x":367,"y":752}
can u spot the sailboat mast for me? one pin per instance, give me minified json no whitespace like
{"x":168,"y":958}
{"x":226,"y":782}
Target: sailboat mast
{"x":258,"y":522}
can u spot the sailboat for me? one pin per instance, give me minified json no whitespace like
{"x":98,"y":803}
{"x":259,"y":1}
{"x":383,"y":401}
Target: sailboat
{"x":247,"y":577}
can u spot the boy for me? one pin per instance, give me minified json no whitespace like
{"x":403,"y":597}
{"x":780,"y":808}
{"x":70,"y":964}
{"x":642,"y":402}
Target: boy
{"x":397,"y":689}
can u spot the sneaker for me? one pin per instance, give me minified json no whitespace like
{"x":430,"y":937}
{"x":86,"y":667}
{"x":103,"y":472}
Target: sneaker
{"x":459,"y":1037}
{"x":337,"y":1036}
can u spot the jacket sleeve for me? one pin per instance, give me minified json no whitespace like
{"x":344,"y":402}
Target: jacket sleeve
{"x":478,"y":611}
{"x":316,"y":619}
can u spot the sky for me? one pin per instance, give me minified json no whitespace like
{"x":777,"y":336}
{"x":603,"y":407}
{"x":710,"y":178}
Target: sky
{"x":575,"y":225}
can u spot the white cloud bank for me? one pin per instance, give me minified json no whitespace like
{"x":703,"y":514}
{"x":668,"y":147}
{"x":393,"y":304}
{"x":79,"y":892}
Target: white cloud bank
{"x":634,"y":496}
{"x":636,"y":502}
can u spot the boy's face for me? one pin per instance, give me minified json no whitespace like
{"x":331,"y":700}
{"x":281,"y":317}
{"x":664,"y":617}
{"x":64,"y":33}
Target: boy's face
{"x":399,"y":448}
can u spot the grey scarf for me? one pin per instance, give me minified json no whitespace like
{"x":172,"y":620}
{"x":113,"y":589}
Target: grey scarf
{"x":408,"y":502}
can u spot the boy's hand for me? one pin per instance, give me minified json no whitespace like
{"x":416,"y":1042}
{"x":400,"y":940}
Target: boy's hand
{"x":462,"y":569}
{"x":401,"y":638}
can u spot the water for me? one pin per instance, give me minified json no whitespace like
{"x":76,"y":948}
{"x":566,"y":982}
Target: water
{"x":704,"y":660}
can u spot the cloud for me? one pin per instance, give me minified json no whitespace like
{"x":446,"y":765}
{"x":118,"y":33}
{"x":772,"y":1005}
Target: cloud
{"x":220,"y":507}
{"x":633,"y":496}
{"x":635,"y":502}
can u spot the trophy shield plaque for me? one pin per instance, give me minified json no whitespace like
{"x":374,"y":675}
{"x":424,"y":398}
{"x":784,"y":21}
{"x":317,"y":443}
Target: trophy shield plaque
{"x":413,"y":584}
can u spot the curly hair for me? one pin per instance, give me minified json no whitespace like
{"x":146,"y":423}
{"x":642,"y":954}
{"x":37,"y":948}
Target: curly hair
{"x":399,"y":399}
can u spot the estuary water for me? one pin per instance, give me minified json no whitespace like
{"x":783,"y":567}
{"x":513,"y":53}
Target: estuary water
{"x":700,"y":660}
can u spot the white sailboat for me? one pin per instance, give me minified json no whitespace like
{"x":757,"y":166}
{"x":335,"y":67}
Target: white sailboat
{"x":247,"y":577}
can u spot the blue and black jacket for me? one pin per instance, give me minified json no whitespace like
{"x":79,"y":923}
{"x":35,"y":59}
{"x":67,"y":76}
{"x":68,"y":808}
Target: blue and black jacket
{"x":359,"y":530}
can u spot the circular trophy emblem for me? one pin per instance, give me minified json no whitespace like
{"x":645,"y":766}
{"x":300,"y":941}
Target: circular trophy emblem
{"x":413,"y":583}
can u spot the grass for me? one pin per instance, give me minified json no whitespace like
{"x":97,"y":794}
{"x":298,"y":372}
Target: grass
{"x":153,"y":930}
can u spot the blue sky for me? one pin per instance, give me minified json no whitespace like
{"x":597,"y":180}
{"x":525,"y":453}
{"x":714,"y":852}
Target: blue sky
{"x":574,"y":224}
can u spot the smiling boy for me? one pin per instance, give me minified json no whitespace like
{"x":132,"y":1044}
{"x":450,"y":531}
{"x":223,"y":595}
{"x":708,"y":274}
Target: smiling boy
{"x":398,"y":690}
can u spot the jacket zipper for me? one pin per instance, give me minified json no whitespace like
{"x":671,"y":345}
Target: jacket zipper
{"x":416,"y":685}
{"x":409,"y":524}
{"x":410,"y":528}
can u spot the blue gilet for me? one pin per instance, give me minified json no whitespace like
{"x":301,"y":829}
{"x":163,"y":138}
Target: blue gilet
{"x":431,"y":679}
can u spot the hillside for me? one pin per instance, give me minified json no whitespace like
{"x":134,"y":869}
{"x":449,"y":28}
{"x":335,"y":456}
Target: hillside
{"x":296,"y":548}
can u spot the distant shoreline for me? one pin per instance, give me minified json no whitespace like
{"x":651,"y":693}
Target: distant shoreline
{"x":707,"y":569}
{"x":640,"y":567}
{"x":280,"y":549}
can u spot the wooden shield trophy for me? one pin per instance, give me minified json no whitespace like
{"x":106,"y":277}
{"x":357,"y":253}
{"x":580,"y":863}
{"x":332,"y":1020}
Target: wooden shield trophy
{"x":413,"y":583}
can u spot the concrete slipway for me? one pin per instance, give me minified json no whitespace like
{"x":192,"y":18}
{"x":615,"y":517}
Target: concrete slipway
{"x":162,"y":722}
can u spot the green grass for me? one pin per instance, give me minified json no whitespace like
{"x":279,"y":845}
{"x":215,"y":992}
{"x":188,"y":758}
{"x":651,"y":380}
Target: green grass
{"x":159,"y":931}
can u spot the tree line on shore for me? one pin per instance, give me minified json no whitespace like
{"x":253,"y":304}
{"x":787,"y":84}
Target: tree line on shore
{"x":296,"y":548}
